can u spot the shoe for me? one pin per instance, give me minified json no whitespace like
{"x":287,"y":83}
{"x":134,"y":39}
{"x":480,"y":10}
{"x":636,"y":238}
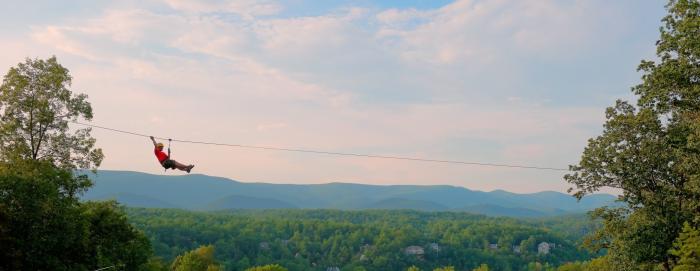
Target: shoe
{"x":189,"y":168}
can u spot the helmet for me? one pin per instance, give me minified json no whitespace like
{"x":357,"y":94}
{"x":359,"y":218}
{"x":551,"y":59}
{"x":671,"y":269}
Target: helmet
{"x":159,"y":145}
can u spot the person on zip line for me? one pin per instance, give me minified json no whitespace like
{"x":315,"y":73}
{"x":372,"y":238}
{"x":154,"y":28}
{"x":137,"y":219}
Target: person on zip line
{"x":164,"y":159}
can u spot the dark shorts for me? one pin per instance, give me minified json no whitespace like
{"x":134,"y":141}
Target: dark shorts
{"x":168,"y":164}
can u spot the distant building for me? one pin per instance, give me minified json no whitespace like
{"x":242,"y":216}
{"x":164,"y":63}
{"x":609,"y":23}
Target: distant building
{"x":544,"y":247}
{"x":363,"y":258}
{"x":493,"y":246}
{"x":414,"y":250}
{"x":516,"y":249}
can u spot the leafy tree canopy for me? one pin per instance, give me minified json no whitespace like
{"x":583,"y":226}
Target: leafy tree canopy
{"x":269,"y":267}
{"x":687,"y":249}
{"x":36,"y":107}
{"x":651,"y":152}
{"x":43,"y":225}
{"x":200,"y":259}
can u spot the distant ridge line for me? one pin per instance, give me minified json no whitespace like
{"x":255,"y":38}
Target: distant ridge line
{"x":415,"y":159}
{"x":202,"y":192}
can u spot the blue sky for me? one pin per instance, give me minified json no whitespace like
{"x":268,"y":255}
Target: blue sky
{"x":494,"y":81}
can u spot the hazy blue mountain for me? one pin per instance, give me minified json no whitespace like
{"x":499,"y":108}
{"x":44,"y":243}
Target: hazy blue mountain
{"x":246,"y":202}
{"x":197,"y":192}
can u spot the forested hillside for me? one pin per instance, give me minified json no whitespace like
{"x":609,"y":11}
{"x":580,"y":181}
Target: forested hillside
{"x":365,"y":240}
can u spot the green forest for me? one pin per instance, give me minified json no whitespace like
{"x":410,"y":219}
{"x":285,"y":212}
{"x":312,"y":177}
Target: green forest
{"x":648,"y":150}
{"x":365,"y":240}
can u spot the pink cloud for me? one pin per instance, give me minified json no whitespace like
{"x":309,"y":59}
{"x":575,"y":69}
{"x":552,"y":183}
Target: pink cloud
{"x":260,"y":81}
{"x":246,"y":8}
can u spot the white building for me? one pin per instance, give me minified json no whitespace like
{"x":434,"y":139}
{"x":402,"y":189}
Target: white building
{"x":414,"y":250}
{"x":544,"y":247}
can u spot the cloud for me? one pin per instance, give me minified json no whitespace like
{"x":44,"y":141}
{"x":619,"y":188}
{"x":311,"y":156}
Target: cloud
{"x":58,"y":38}
{"x":271,"y":126}
{"x":454,"y":82}
{"x":246,"y":8}
{"x":481,"y":31}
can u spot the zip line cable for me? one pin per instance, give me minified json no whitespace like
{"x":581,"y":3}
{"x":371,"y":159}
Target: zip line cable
{"x":327,"y":152}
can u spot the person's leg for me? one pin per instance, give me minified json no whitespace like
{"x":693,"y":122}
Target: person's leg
{"x":181,"y":166}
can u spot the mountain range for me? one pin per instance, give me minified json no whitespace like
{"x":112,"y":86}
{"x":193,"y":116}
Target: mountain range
{"x":201,"y":192}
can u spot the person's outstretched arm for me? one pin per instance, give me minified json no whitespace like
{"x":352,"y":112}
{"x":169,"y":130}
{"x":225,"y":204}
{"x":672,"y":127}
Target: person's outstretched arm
{"x":154,"y":141}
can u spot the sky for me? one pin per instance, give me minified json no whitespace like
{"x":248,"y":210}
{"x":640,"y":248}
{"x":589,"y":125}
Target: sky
{"x":490,"y":81}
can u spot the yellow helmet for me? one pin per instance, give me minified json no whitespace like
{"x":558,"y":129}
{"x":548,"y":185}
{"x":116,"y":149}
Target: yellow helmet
{"x":159,"y":145}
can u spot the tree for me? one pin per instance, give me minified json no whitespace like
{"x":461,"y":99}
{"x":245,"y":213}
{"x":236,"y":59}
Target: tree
{"x":598,"y":264}
{"x":200,"y":259}
{"x":111,"y":239}
{"x":44,"y":226}
{"x":482,"y":267}
{"x":577,"y":266}
{"x":46,"y":229}
{"x":413,"y":268}
{"x":651,"y":152}
{"x":269,"y":267}
{"x":155,"y":264}
{"x":528,"y":246}
{"x":36,"y":107}
{"x":448,"y":268}
{"x":687,"y":249}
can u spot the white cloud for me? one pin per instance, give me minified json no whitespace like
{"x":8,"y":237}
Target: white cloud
{"x":57,"y":37}
{"x":402,"y":18}
{"x":246,"y":8}
{"x":271,"y":126}
{"x":394,"y":82}
{"x":469,"y":31}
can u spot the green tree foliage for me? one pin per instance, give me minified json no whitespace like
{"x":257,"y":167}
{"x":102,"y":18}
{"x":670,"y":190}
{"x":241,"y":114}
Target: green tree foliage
{"x":35,"y":109}
{"x":577,"y":266}
{"x":111,"y":239}
{"x":448,"y":268}
{"x":302,"y":240}
{"x":483,"y":267}
{"x":155,"y":264}
{"x":200,"y":259}
{"x":687,"y":249}
{"x":651,"y":152}
{"x":537,"y":266}
{"x":44,"y":226}
{"x":413,"y":268}
{"x":269,"y":267}
{"x":598,"y":264}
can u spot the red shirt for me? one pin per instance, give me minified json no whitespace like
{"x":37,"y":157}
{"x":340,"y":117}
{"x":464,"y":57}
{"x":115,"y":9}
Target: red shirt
{"x":160,"y":155}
